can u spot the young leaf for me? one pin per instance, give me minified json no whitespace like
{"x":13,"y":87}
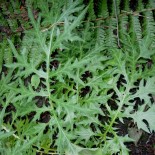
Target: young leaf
{"x":143,"y":117}
{"x":35,"y":80}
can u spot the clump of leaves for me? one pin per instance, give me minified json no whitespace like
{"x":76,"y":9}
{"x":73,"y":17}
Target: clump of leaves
{"x":64,"y":93}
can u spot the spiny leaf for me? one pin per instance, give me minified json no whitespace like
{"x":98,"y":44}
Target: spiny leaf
{"x":142,"y":115}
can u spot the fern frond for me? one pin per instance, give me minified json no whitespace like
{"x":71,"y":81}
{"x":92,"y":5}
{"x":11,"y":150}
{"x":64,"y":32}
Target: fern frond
{"x":151,"y":4}
{"x":91,"y":12}
{"x":115,"y":5}
{"x":111,"y":41}
{"x":103,"y":9}
{"x":126,"y":5}
{"x":8,"y":55}
{"x":135,"y":28}
{"x":12,"y":22}
{"x":102,"y":13}
{"x":1,"y":57}
{"x":140,"y":5}
{"x":123,"y":27}
{"x":117,"y":2}
{"x":149,"y":26}
{"x":124,"y":21}
{"x":101,"y":37}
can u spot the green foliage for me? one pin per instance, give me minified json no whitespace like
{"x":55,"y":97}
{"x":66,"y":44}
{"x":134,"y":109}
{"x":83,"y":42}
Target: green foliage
{"x":65,"y":89}
{"x":6,"y":54}
{"x":35,"y":80}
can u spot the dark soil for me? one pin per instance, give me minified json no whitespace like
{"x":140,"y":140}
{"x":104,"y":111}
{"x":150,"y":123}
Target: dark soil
{"x":146,"y":144}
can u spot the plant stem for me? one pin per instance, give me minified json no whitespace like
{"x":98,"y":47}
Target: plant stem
{"x":116,"y":15}
{"x":114,"y":118}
